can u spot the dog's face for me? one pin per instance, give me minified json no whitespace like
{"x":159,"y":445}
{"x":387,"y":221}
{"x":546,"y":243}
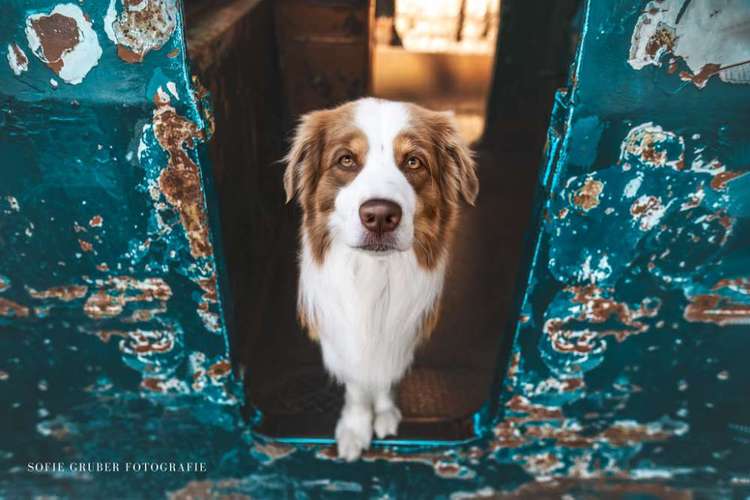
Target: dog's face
{"x":380,"y":177}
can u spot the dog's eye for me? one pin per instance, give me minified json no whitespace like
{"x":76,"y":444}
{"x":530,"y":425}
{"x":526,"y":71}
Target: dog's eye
{"x":346,"y":161}
{"x":413,"y":163}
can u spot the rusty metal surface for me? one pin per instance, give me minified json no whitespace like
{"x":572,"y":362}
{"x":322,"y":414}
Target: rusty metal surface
{"x":626,"y":374}
{"x":108,"y":260}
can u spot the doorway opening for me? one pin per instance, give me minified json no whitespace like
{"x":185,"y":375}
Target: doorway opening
{"x":439,"y":54}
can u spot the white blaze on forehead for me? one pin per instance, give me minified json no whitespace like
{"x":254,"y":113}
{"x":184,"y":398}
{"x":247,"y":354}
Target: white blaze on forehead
{"x":380,"y":177}
{"x":381,"y":121}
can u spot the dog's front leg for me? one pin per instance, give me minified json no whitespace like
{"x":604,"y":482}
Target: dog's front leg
{"x":354,"y":429}
{"x":387,"y":414}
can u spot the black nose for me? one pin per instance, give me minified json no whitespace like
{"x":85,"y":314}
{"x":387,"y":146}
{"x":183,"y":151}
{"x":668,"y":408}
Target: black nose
{"x":380,"y":216}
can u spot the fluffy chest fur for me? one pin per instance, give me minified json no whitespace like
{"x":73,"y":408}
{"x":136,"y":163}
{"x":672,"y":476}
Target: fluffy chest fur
{"x":368,"y":312}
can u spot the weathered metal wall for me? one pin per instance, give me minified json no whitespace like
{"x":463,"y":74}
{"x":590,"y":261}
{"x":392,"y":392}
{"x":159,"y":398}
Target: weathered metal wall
{"x":626,"y":372}
{"x":108,"y":264}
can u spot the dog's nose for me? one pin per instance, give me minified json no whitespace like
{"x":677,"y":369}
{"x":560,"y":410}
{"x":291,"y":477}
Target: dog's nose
{"x":380,"y":216}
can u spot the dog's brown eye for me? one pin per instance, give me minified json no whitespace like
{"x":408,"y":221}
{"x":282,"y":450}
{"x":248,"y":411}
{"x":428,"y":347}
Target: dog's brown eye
{"x":413,"y":163}
{"x":346,"y":161}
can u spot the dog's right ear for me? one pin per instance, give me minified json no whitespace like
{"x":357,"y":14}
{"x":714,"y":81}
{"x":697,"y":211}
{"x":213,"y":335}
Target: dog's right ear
{"x":301,"y":169}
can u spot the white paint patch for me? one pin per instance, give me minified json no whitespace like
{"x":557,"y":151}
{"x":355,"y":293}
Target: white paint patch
{"x":77,"y":61}
{"x":173,"y":89}
{"x":596,"y":274}
{"x":109,"y":21}
{"x":632,"y":187}
{"x":17,"y":59}
{"x":709,"y":32}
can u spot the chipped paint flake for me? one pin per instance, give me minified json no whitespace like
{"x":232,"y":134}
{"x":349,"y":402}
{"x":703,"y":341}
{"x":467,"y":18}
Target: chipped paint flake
{"x":647,"y":211}
{"x":113,"y":294}
{"x":11,"y":309}
{"x":710,"y":37}
{"x":64,"y":293}
{"x":17,"y":59}
{"x":65,"y":41}
{"x":653,"y":146}
{"x":587,"y":197}
{"x":141,"y":26}
{"x":180,"y":181}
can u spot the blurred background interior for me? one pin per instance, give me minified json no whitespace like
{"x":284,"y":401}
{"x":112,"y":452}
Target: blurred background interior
{"x":266,"y":63}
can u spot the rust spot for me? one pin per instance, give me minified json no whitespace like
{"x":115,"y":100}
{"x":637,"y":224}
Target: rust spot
{"x":700,"y":78}
{"x":148,"y":342}
{"x":96,"y":221}
{"x":21,"y":59}
{"x":128,"y":55}
{"x":85,"y":245}
{"x":209,"y":288}
{"x":57,"y":34}
{"x":143,"y":26}
{"x":106,"y":335}
{"x":661,"y":41}
{"x":719,"y":182}
{"x":180,"y":180}
{"x":587,"y":197}
{"x":113,"y":294}
{"x":594,"y":308}
{"x":626,"y":433}
{"x":218,"y":370}
{"x":718,"y":310}
{"x":11,"y":309}
{"x":153,"y":384}
{"x":64,"y":293}
{"x":647,"y":210}
{"x":144,"y":315}
{"x":533,"y":412}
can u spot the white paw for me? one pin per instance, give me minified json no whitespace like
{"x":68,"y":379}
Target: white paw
{"x":386,"y":422}
{"x":352,"y":440}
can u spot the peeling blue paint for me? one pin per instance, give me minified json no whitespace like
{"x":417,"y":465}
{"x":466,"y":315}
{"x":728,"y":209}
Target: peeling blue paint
{"x":627,"y":357}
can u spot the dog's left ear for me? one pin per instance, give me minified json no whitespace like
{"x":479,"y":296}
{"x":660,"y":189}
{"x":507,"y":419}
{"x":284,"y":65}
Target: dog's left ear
{"x":464,"y":168}
{"x":301,"y":161}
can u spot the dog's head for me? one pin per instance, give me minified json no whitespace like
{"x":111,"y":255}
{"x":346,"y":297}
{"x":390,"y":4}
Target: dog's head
{"x":381,"y":177}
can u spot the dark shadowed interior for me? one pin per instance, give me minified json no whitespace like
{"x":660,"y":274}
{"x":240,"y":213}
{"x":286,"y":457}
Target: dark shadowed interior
{"x":257,"y":101}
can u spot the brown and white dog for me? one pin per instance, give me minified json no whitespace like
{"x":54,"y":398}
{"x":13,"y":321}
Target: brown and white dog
{"x":380,"y":185}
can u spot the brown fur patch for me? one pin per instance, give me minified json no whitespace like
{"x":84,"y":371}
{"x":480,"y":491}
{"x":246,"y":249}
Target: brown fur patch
{"x":322,"y":137}
{"x":447,"y":175}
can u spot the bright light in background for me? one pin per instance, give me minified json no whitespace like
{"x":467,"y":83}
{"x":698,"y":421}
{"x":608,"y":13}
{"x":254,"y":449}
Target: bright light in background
{"x":447,"y":25}
{"x":437,"y":53}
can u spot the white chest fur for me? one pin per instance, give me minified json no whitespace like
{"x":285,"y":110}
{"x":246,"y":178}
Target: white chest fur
{"x":368,"y":310}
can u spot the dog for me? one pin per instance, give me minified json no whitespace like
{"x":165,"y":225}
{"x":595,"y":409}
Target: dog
{"x":380,"y":185}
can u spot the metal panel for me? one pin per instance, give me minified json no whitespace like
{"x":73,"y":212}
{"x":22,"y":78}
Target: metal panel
{"x":626,"y":372}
